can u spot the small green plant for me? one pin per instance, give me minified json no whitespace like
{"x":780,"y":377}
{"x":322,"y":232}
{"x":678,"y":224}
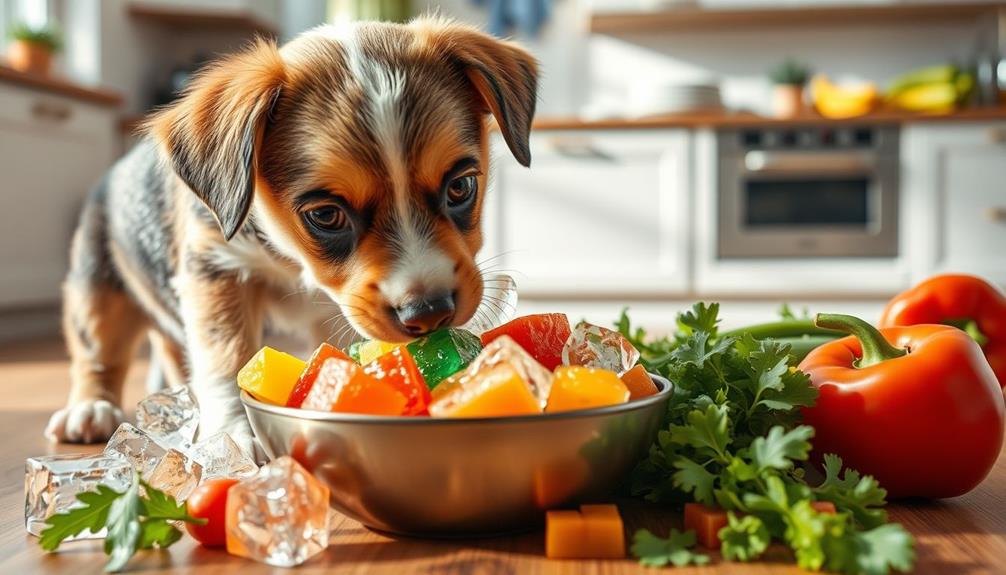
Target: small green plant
{"x":790,"y":72}
{"x":45,"y":36}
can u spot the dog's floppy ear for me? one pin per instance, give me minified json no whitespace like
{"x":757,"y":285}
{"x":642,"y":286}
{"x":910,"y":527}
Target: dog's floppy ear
{"x":505,"y":77}
{"x":212,"y":134}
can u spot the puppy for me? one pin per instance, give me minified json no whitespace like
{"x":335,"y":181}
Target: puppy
{"x":348,"y":166}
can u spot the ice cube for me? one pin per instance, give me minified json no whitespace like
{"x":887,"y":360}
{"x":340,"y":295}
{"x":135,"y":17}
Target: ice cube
{"x":498,"y":306}
{"x":444,"y":353}
{"x":504,"y":350}
{"x":51,"y":485}
{"x":594,"y":346}
{"x":135,"y":446}
{"x":278,"y":516}
{"x":221,"y":457}
{"x":175,"y":474}
{"x":163,"y":467}
{"x":171,"y":416}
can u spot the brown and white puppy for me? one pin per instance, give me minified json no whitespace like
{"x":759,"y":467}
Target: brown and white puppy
{"x":348,"y":165}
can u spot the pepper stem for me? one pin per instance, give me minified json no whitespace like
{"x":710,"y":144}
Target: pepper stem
{"x":970,"y":327}
{"x":875,"y":348}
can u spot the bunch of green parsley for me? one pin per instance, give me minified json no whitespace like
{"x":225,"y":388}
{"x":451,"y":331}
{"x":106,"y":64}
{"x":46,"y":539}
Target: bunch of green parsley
{"x":141,"y":517}
{"x":733,"y":439}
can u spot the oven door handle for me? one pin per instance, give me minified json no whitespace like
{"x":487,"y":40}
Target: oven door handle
{"x":809,"y":162}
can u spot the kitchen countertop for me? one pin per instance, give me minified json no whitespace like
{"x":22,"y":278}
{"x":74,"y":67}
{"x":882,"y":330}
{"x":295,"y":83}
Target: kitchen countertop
{"x":727,"y":119}
{"x":61,"y":86}
{"x":961,"y":536}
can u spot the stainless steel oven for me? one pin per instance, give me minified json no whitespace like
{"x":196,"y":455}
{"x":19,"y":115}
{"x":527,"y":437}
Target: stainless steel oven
{"x":810,"y":191}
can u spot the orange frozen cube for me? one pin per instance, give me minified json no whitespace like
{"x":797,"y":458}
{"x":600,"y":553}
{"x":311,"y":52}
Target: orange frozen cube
{"x":577,"y":387}
{"x":344,"y":386}
{"x":707,"y":522}
{"x":310,"y":373}
{"x":498,"y":391}
{"x":639,"y":383}
{"x":595,"y":532}
{"x":604,"y":534}
{"x":564,"y":534}
{"x":399,"y":369}
{"x":270,"y":375}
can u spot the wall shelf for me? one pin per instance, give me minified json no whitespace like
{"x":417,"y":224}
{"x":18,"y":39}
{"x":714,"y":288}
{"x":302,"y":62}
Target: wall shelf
{"x":693,"y":18}
{"x":236,"y":20}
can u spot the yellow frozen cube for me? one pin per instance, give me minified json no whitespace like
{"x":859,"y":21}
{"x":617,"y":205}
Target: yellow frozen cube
{"x":270,"y":375}
{"x":577,"y":387}
{"x":373,"y":349}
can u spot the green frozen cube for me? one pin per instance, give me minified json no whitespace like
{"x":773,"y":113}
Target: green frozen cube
{"x":443,"y":353}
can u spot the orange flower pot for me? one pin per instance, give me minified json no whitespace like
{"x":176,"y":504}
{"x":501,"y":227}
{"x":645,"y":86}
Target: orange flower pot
{"x":29,"y":57}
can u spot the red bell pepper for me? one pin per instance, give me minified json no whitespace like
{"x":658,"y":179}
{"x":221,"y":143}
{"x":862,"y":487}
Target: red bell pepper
{"x":963,"y":301}
{"x":917,"y":407}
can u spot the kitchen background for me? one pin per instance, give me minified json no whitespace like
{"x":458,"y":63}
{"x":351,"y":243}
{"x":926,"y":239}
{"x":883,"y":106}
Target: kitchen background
{"x":672,"y":158}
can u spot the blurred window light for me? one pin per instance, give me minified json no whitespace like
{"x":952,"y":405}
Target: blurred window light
{"x":31,"y":13}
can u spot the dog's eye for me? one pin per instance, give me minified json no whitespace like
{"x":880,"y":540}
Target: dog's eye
{"x":328,"y":218}
{"x":460,"y":191}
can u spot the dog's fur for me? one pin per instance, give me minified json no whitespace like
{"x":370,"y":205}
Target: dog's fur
{"x":200,"y":236}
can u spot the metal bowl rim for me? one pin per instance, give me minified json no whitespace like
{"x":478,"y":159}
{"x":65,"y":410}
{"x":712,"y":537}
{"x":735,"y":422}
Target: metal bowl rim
{"x":357,"y":418}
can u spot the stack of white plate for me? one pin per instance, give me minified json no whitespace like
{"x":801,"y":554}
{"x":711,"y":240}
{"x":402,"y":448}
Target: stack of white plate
{"x":673,"y":98}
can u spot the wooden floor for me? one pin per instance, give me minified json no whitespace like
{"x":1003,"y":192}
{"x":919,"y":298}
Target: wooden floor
{"x":963,"y":536}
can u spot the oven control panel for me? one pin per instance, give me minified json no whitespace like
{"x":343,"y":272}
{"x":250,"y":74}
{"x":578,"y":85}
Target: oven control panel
{"x":809,"y":137}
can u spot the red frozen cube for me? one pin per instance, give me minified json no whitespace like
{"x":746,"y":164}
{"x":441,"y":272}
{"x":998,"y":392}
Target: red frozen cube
{"x":541,"y":335}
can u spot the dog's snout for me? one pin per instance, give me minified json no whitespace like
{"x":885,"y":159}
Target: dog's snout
{"x":424,"y":315}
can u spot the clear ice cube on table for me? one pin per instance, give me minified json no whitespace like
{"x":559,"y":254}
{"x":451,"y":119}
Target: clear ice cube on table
{"x":504,"y":350}
{"x":135,"y":446}
{"x":175,"y":474}
{"x":51,"y":485}
{"x":221,"y":457}
{"x":278,"y":516}
{"x":498,"y":305}
{"x":163,"y":467}
{"x":172,"y":416}
{"x":591,"y":345}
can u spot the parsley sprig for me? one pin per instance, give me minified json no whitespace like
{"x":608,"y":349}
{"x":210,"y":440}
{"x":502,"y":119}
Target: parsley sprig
{"x":141,"y":517}
{"x":733,"y":439}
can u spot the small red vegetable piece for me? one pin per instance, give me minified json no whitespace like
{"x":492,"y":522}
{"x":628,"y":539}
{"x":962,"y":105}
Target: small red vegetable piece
{"x":399,"y":369}
{"x":310,"y":373}
{"x":209,"y":502}
{"x":706,"y":522}
{"x":824,"y":507}
{"x":541,"y":335}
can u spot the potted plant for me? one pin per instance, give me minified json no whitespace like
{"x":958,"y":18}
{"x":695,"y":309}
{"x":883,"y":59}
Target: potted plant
{"x":32,"y":48}
{"x":789,"y":78}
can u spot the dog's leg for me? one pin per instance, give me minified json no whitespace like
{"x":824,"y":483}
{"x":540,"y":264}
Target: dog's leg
{"x":170,"y":359}
{"x":223,"y":319}
{"x":102,"y":326}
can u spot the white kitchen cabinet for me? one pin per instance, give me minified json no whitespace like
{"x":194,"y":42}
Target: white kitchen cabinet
{"x":957,"y":175}
{"x":598,"y":214}
{"x":53,"y":149}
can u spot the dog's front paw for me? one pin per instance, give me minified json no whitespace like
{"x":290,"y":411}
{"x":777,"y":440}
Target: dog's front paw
{"x":90,"y":421}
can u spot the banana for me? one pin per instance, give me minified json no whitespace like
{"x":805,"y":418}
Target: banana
{"x":935,"y":98}
{"x":930,"y":75}
{"x":840,"y":102}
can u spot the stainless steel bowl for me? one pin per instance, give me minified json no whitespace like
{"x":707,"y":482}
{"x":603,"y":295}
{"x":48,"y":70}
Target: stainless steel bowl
{"x":461,"y":477}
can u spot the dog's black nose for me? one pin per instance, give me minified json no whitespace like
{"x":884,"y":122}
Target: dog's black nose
{"x":422,"y":316}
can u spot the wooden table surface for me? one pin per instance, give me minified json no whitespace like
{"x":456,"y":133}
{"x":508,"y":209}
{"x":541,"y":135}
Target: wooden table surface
{"x":961,"y":536}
